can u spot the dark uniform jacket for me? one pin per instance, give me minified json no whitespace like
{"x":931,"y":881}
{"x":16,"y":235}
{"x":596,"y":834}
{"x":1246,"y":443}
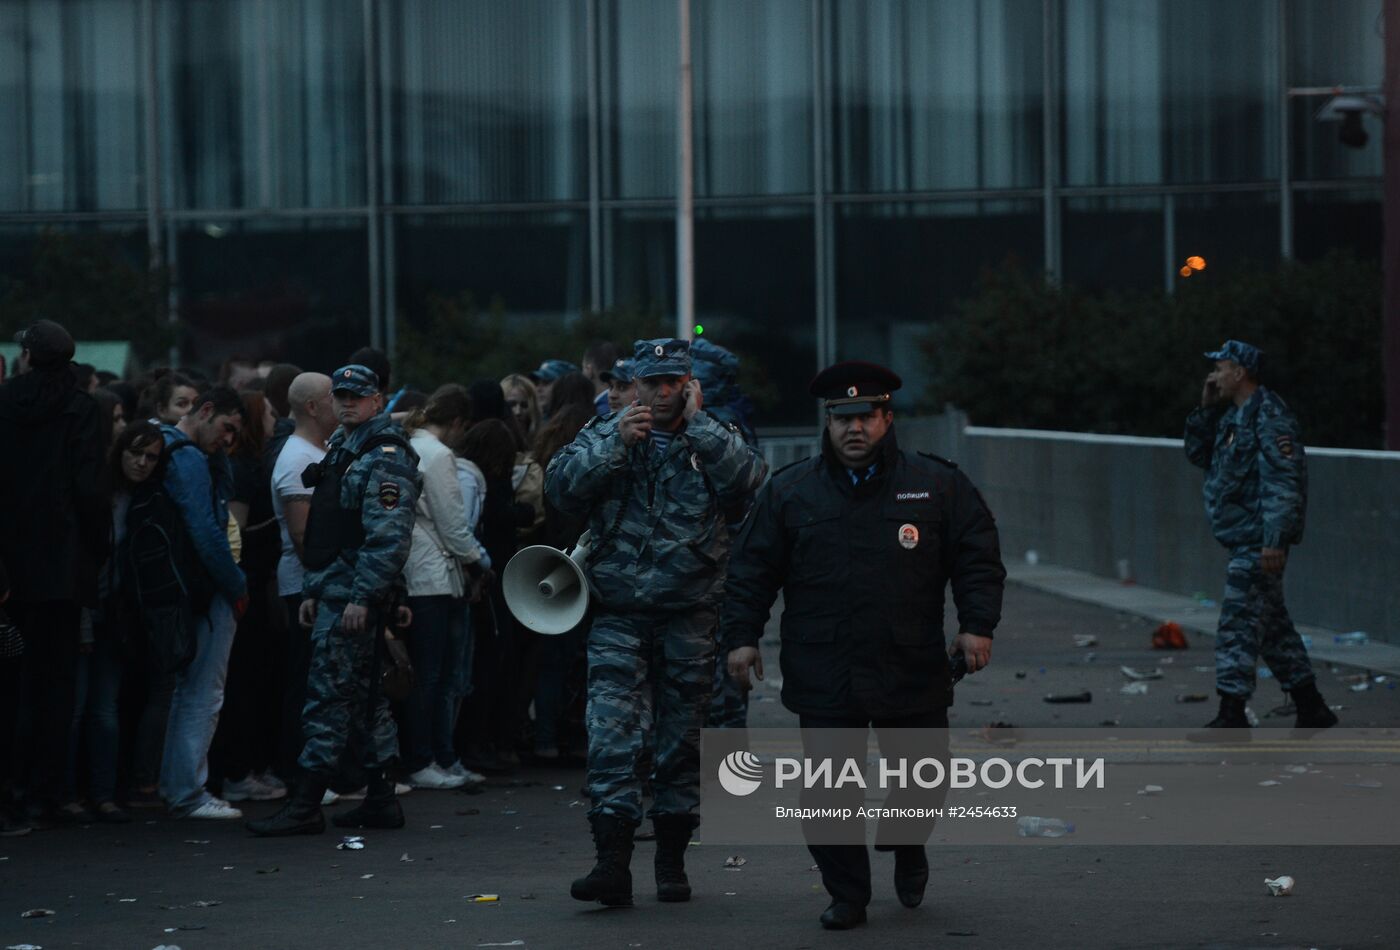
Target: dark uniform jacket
{"x":863,"y":570}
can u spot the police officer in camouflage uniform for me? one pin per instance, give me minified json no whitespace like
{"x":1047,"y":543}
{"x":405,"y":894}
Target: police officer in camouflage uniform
{"x":357,"y":540}
{"x":717,"y":371}
{"x":622,"y":388}
{"x":1256,"y":493}
{"x":653,"y":481}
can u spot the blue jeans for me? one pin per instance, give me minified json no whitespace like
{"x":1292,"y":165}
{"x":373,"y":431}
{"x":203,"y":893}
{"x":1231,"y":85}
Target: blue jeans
{"x":99,"y":688}
{"x":194,"y":712}
{"x":436,"y":648}
{"x":461,"y":653}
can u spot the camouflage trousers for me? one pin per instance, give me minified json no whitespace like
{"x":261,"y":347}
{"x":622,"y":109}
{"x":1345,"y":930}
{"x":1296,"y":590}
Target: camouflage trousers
{"x":1254,"y":623}
{"x":339,"y":690}
{"x":729,"y":707}
{"x":648,"y":670}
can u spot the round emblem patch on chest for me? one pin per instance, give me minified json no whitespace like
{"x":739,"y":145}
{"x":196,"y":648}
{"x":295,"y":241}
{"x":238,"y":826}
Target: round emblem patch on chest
{"x":908,"y":537}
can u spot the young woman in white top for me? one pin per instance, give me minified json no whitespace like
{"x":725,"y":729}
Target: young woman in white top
{"x":443,"y":544}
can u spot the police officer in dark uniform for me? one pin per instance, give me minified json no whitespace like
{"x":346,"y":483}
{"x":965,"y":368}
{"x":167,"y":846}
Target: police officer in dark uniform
{"x":863,"y":540}
{"x":358,"y":535}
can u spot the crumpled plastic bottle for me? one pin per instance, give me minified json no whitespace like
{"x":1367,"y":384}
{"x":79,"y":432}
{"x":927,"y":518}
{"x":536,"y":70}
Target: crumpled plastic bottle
{"x":1033,"y":827}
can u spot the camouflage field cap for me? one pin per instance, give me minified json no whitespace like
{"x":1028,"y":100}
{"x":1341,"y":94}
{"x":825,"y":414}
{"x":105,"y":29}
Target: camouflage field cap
{"x":1245,"y":354}
{"x":664,"y":357}
{"x":621,"y":371}
{"x":357,"y":379}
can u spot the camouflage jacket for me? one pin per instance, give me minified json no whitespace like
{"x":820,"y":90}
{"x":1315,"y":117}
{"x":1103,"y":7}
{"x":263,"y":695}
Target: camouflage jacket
{"x":1256,"y":488}
{"x":659,"y":537}
{"x":384,"y":485}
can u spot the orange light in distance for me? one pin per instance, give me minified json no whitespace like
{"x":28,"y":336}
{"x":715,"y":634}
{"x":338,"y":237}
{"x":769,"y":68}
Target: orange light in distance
{"x":1186,"y":272}
{"x":1196,"y":262}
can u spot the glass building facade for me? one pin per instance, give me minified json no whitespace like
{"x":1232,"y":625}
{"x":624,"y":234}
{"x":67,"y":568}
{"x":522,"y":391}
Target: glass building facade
{"x":312,"y":171}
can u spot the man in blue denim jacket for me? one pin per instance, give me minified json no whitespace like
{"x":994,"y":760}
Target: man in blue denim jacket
{"x":198,"y":478}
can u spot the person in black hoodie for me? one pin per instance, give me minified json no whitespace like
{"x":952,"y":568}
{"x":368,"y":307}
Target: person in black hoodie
{"x":53,"y":539}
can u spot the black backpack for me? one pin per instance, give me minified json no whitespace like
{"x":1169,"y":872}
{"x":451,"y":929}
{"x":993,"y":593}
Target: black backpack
{"x":164,"y":570}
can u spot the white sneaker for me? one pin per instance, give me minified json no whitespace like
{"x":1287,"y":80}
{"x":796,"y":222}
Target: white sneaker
{"x":401,"y":788}
{"x":330,"y":798}
{"x":460,"y":771}
{"x":271,"y":781}
{"x":434,"y":777}
{"x":251,"y":789}
{"x":216,"y":808}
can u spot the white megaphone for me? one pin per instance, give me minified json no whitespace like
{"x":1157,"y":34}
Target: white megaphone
{"x":546,"y":589}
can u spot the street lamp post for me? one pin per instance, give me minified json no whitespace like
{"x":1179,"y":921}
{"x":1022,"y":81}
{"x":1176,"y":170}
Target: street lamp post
{"x":685,"y":196}
{"x":1390,"y":242}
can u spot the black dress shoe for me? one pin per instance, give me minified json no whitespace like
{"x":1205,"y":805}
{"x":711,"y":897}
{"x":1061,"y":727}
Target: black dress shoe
{"x":910,"y":875}
{"x":842,"y":916}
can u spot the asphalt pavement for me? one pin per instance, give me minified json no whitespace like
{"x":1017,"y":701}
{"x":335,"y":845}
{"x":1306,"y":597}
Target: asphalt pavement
{"x":205,"y":885}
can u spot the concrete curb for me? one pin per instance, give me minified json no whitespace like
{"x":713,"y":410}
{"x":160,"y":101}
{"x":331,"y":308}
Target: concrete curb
{"x":1160,"y":606}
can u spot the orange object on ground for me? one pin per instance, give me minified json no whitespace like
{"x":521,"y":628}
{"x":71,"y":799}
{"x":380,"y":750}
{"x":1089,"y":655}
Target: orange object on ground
{"x":1169,"y":636}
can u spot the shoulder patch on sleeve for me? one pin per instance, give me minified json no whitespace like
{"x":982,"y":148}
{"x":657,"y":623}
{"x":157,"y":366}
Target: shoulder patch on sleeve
{"x":1285,"y":445}
{"x":388,"y":494}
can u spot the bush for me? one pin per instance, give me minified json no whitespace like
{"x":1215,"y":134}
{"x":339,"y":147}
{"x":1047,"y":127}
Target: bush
{"x":1025,"y":353}
{"x":458,"y":341}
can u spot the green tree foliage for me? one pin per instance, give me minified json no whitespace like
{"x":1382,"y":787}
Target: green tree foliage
{"x":1027,"y":354}
{"x":83,"y":281}
{"x":459,"y":341}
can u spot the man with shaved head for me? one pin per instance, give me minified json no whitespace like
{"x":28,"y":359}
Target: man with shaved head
{"x":309,"y":398}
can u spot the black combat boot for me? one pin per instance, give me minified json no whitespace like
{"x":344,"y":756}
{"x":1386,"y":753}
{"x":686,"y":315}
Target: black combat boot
{"x":1229,"y":725}
{"x":380,"y":809}
{"x":1312,"y":709}
{"x":672,"y":838}
{"x":301,"y":815}
{"x":1231,"y":714}
{"x":610,"y":881}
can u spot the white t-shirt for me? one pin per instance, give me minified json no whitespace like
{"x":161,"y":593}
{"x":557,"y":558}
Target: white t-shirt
{"x":296,"y":455}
